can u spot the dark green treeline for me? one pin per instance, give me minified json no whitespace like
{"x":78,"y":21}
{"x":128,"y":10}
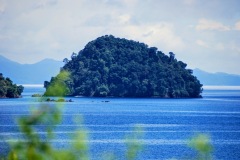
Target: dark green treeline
{"x":115,"y":67}
{"x":8,"y":89}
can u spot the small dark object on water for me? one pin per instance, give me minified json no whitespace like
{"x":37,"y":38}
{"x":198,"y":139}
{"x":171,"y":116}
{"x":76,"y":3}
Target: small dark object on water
{"x":58,"y":100}
{"x":36,"y":95}
{"x":106,"y":101}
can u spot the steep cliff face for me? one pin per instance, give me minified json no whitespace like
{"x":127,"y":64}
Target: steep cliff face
{"x":116,"y":67}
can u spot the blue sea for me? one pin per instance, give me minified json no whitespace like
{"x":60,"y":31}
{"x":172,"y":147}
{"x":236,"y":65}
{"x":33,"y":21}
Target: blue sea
{"x":167,"y":124}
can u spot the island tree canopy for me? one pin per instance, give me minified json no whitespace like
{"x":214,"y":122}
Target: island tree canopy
{"x":8,"y":89}
{"x":110,"y":66}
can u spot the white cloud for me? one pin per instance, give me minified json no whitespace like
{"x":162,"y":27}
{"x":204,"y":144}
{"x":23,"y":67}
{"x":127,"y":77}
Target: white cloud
{"x":202,"y":43}
{"x":124,"y":19}
{"x":234,"y":48}
{"x":2,"y":6}
{"x":160,"y":35}
{"x":34,"y":30}
{"x":189,"y":2}
{"x":219,"y":46}
{"x":237,"y":26}
{"x":44,"y":3}
{"x":204,"y":24}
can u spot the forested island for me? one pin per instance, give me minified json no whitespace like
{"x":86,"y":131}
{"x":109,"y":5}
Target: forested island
{"x":115,"y":67}
{"x":8,"y":89}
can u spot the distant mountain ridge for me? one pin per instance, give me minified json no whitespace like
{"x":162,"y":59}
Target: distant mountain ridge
{"x":219,"y":78}
{"x":35,"y":73}
{"x":43,"y":70}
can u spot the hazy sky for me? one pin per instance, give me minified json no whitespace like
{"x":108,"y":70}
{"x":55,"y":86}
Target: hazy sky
{"x":204,"y":34}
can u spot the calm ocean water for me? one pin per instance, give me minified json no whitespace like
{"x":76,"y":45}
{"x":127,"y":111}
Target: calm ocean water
{"x":167,"y":123}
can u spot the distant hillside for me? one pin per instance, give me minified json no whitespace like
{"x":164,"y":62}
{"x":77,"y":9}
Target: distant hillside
{"x":29,"y":73}
{"x":221,"y":79}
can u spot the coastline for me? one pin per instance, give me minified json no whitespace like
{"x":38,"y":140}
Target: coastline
{"x":207,"y":87}
{"x":213,"y":87}
{"x":32,"y":85}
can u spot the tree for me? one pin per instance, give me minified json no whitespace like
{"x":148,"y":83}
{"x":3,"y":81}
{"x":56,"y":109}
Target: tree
{"x":74,"y":55}
{"x":8,"y":89}
{"x":1,"y":76}
{"x":20,"y":89}
{"x":65,"y":60}
{"x":102,"y":91}
{"x":46,"y":84}
{"x":110,"y":66}
{"x":11,"y":92}
{"x":172,"y":56}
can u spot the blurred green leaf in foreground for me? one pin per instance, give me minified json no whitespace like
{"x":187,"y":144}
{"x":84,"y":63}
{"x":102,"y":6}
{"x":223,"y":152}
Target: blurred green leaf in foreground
{"x":201,"y":143}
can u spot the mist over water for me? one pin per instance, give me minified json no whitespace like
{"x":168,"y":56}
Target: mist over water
{"x":167,"y":123}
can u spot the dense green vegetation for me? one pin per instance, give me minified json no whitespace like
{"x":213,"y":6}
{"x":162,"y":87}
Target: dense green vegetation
{"x":110,"y":66}
{"x":8,"y":89}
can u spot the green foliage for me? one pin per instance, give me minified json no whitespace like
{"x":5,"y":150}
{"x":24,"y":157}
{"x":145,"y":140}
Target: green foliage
{"x":110,"y":66}
{"x":201,"y":143}
{"x":133,"y":143}
{"x":37,"y":148}
{"x":58,"y":87}
{"x":8,"y":89}
{"x":34,"y":147}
